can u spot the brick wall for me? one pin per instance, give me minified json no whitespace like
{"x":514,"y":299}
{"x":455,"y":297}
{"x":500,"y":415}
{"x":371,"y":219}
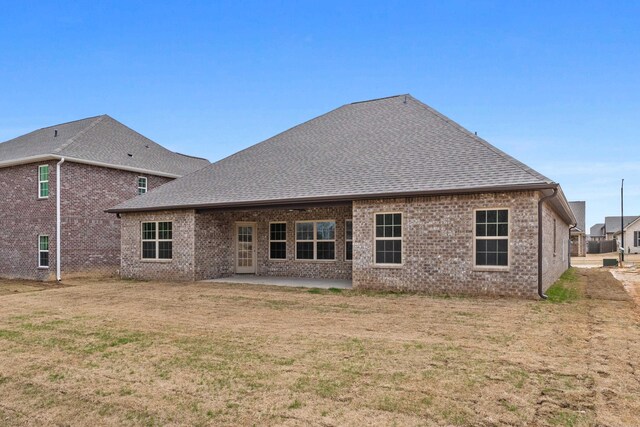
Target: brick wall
{"x":90,"y":237}
{"x":553,"y":263}
{"x":438,"y":246}
{"x":22,"y":218}
{"x":181,"y":267}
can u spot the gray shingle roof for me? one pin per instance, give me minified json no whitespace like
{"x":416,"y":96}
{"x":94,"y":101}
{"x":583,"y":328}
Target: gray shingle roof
{"x":596,"y":230}
{"x":579,"y":211}
{"x":102,"y":140}
{"x":612,"y":223}
{"x":388,"y":146}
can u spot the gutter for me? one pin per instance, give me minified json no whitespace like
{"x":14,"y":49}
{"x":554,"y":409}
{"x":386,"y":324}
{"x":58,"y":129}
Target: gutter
{"x":540,"y":202}
{"x":58,"y":220}
{"x":348,"y":197}
{"x":39,"y":158}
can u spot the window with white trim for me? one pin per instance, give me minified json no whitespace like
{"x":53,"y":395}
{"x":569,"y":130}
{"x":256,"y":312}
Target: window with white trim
{"x":43,"y":181}
{"x":43,"y":250}
{"x":278,"y":240}
{"x":636,"y":238}
{"x":348,"y":240}
{"x":492,"y":238}
{"x":388,"y":238}
{"x":316,"y":240}
{"x":142,"y":185}
{"x":157,"y":240}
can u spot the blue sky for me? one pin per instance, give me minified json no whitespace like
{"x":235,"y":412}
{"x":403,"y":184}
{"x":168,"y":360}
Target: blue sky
{"x":555,"y":84}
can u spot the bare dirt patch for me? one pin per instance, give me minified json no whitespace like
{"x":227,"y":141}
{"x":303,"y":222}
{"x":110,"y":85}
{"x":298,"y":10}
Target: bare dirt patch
{"x":14,"y":286}
{"x":141,"y":353}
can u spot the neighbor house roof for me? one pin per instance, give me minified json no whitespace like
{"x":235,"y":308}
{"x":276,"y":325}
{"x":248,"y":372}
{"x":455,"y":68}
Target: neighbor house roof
{"x":612,"y":223}
{"x":386,"y":147}
{"x":101,"y":141}
{"x":628,"y":224}
{"x":596,"y":230}
{"x":579,"y":210}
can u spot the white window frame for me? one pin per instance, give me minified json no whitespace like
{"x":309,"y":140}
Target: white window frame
{"x":401,"y":239}
{"x":636,"y":234}
{"x":40,"y":251}
{"x":286,"y":234}
{"x":348,"y":240}
{"x":315,"y":240}
{"x":143,"y":190}
{"x":508,"y":237}
{"x":157,"y":241}
{"x":40,"y":182}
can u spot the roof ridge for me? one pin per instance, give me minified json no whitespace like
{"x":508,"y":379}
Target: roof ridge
{"x":69,"y":122}
{"x":380,"y":99}
{"x":188,"y":155}
{"x":80,"y":133}
{"x":485,"y":143}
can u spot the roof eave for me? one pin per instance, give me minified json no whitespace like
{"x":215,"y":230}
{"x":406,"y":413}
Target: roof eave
{"x":44,"y":157}
{"x":341,"y":198}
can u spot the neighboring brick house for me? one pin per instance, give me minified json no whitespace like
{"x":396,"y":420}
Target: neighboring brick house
{"x":578,"y":233}
{"x":388,"y":193}
{"x":101,"y":163}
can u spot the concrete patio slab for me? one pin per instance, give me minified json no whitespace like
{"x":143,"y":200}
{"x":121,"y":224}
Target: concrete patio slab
{"x":291,"y":282}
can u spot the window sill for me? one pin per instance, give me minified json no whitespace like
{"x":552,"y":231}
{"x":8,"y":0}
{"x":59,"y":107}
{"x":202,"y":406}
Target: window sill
{"x":42,"y":268}
{"x":388,"y":265}
{"x":43,"y":198}
{"x":494,"y":269}
{"x":278,"y":260}
{"x":161,"y":261}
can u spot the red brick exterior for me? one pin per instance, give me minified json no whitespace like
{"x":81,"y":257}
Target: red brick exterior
{"x":438,"y":236}
{"x":90,"y":237}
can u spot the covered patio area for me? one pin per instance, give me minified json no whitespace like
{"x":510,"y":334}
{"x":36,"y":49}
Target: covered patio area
{"x":291,"y":282}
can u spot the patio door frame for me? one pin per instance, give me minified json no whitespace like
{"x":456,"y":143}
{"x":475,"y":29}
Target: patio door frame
{"x":245,"y":270}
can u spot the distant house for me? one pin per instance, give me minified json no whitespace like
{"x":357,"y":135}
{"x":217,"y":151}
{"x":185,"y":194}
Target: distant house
{"x":578,"y":233}
{"x":60,"y":179}
{"x":388,"y":193}
{"x":631,"y":236}
{"x":612,"y":225}
{"x":596,"y":232}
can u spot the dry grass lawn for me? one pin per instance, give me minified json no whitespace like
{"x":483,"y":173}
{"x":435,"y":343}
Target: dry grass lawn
{"x":109,"y":352}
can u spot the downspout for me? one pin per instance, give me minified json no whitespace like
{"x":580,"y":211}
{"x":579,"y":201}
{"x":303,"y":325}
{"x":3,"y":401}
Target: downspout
{"x":58,"y":221}
{"x":540,"y":202}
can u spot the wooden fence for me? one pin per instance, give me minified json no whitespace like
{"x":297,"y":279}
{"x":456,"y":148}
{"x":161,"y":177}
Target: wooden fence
{"x":602,"y":247}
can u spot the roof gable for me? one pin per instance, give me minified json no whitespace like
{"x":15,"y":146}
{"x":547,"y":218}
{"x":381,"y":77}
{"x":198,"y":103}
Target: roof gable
{"x":579,"y":211}
{"x":388,"y":146}
{"x":612,"y":223}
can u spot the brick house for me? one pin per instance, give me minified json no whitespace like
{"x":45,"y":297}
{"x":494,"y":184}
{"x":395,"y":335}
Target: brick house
{"x":387,"y":193}
{"x":96,"y":162}
{"x":578,"y":233}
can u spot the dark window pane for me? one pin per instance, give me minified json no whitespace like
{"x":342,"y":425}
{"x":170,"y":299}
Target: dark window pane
{"x":481,"y":216}
{"x":397,"y":231}
{"x":149,"y":250}
{"x":304,"y":250}
{"x":503,"y":229}
{"x":503,"y":245}
{"x":503,"y":215}
{"x":348,"y":230}
{"x":492,"y":258}
{"x":503,"y":258}
{"x":379,"y":231}
{"x":481,"y":245}
{"x":44,"y":259}
{"x":326,"y":250}
{"x":492,"y":230}
{"x":481,"y":258}
{"x":148,"y":230}
{"x":349,"y":252}
{"x":165,"y":250}
{"x":492,"y":245}
{"x":279,"y":231}
{"x":278,"y":250}
{"x":481,"y":230}
{"x":492,"y":216}
{"x":388,"y":251}
{"x":304,"y":231}
{"x":165,"y":230}
{"x":379,"y":220}
{"x":326,"y":230}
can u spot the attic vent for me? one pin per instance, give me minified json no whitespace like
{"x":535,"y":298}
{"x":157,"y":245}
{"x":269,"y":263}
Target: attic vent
{"x":146,"y":146}
{"x":55,"y":133}
{"x":129,"y":154}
